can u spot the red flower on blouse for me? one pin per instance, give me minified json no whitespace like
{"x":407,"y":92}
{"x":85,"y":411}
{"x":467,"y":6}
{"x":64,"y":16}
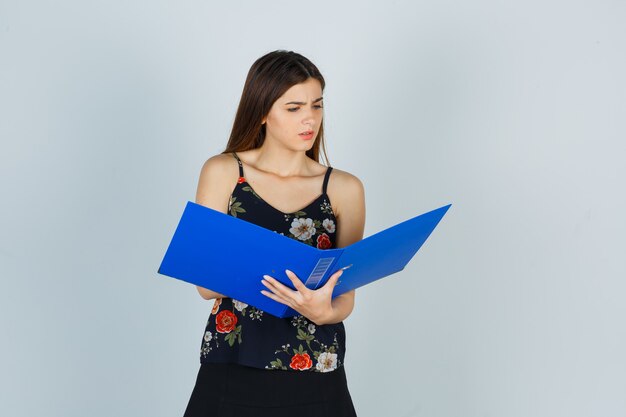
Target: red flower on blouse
{"x":323,"y":241}
{"x":225,"y":321}
{"x":240,"y":180}
{"x":301,"y":362}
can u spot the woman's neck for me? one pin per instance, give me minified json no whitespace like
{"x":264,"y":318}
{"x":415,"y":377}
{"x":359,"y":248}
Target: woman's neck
{"x":281,"y":162}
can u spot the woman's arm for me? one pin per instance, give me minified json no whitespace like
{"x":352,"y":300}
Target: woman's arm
{"x":208,"y":294}
{"x":350,"y":214}
{"x":213,"y":192}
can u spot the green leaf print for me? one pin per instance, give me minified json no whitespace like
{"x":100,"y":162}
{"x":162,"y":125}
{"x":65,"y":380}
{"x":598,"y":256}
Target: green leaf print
{"x":235,"y":207}
{"x":249,"y":189}
{"x":277,"y":364}
{"x":233,"y":336}
{"x":302,"y":335}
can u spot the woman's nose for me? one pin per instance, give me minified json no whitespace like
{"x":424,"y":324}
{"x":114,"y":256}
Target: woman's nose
{"x":309,"y":117}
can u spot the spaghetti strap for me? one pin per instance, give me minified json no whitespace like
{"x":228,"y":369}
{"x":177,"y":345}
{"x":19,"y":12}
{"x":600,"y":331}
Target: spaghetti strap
{"x":326,"y":179}
{"x":240,"y":165}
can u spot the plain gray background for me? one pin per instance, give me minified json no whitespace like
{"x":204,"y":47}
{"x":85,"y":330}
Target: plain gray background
{"x":514,"y":112}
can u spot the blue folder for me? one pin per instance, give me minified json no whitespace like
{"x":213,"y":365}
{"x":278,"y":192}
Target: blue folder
{"x":230,"y":256}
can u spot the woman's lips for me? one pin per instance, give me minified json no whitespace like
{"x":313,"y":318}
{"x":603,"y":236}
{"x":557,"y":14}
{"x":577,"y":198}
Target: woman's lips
{"x":308,"y":135}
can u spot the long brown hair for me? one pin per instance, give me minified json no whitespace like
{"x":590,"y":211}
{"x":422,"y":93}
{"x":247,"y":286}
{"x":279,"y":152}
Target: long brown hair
{"x":269,"y":78}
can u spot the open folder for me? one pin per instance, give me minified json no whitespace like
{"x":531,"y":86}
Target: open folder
{"x":230,"y":256}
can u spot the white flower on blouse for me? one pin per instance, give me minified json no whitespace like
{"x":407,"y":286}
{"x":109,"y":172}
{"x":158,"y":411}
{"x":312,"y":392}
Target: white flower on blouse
{"x":326,"y":362}
{"x":329,"y":225}
{"x":208,"y":336}
{"x":239,"y":305}
{"x":302,"y":228}
{"x":311,"y":328}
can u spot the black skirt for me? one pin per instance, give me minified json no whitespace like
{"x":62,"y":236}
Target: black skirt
{"x":229,"y":390}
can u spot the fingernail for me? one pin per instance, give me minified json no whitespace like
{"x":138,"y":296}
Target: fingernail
{"x":287,"y":271}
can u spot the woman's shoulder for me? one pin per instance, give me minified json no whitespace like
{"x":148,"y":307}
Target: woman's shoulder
{"x":343,"y":181}
{"x":217,"y":176}
{"x":222,"y":165}
{"x":346,"y":191}
{"x":345,"y":178}
{"x":220,"y":160}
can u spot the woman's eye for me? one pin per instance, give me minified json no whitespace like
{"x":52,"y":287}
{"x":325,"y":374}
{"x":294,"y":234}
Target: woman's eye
{"x":296,"y":108}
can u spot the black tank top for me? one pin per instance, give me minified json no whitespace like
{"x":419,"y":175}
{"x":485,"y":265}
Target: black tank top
{"x":239,"y":333}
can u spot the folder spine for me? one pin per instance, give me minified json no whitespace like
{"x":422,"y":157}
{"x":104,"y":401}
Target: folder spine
{"x":320,"y":269}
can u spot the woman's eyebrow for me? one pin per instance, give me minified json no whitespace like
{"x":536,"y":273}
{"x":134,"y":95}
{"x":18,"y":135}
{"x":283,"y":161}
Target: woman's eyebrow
{"x":303,"y":103}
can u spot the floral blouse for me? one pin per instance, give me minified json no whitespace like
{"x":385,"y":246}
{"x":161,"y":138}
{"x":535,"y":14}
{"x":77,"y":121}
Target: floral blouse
{"x":239,"y":333}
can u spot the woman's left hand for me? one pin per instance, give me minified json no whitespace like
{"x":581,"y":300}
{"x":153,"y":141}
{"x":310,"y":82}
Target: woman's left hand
{"x":315,"y":305}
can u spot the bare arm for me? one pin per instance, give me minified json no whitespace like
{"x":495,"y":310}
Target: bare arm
{"x":213,"y":192}
{"x":350,"y":228}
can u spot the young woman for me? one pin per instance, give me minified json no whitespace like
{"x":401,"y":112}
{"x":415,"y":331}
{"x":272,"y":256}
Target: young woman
{"x":253,"y":363}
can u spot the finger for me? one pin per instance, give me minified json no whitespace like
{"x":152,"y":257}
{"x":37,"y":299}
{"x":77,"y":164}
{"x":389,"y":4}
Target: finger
{"x":332,"y":281}
{"x":296,"y":281}
{"x":276,"y":297}
{"x":277,"y":287}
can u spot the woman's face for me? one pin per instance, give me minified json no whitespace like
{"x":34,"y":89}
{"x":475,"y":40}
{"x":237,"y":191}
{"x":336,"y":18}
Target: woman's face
{"x":299,"y":110}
